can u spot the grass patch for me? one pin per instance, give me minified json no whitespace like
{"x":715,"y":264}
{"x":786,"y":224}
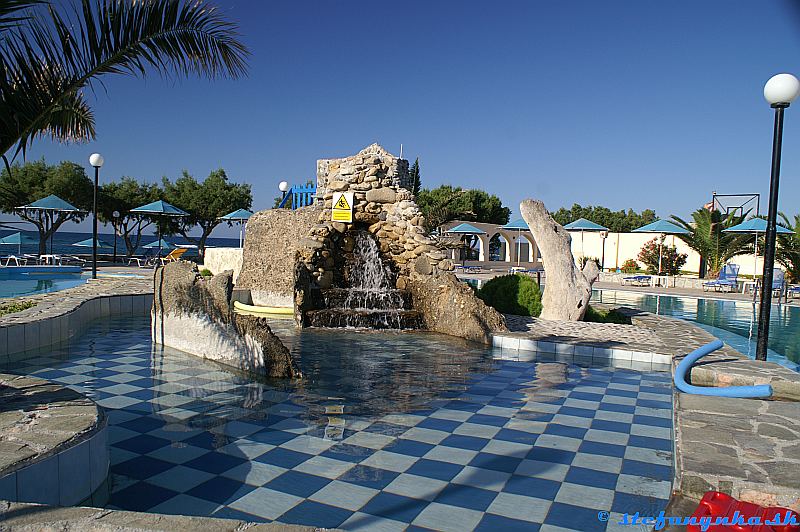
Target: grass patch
{"x":11,"y":308}
{"x":605,"y":316}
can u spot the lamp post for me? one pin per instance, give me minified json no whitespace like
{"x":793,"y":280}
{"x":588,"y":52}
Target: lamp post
{"x":115,"y":217}
{"x":283,"y":186}
{"x":97,"y":161}
{"x":603,"y":236}
{"x":779,"y":91}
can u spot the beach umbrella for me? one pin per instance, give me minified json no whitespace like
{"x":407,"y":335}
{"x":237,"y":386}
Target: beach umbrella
{"x":160,"y":244}
{"x":88,"y":243}
{"x":465,"y":230}
{"x":582,"y":224}
{"x":663,"y":228}
{"x":755,"y":226}
{"x":519,"y":225}
{"x":241,"y":216}
{"x":17,"y":239}
{"x":50,"y":206}
{"x":160,"y":208}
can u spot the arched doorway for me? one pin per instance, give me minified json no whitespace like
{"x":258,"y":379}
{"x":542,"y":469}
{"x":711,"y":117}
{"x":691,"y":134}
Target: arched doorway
{"x":499,"y":250}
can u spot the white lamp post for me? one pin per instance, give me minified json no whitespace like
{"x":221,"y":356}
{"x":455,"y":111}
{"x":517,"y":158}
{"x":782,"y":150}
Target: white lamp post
{"x":283,"y":186}
{"x":780,"y":91}
{"x":97,"y":161}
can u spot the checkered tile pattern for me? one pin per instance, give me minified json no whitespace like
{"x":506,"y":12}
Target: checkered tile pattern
{"x":362,"y":443}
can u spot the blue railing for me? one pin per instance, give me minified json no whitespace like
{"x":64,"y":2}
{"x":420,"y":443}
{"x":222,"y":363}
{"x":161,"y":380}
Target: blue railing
{"x":301,"y":195}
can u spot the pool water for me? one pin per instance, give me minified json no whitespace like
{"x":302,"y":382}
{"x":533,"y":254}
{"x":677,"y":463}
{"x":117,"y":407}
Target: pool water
{"x":386,"y":430}
{"x":15,"y":284}
{"x":734,"y":322}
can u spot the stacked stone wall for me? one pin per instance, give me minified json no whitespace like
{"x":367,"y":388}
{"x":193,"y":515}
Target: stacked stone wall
{"x":383,"y":205}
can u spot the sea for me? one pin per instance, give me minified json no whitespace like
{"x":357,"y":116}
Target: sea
{"x":63,"y":243}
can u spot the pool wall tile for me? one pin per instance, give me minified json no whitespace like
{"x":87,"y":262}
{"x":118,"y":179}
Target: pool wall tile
{"x":602,"y":353}
{"x":8,"y":487}
{"x":105,"y":307}
{"x":583,"y":350}
{"x":98,"y":458}
{"x":113,"y":306}
{"x":39,"y":482}
{"x":73,"y":475}
{"x":16,"y":338}
{"x":31,"y":338}
{"x":527,"y":345}
{"x":546,"y":347}
{"x":510,"y":343}
{"x":638,"y":356}
{"x":621,"y":354}
{"x":4,"y":339}
{"x":565,"y":349}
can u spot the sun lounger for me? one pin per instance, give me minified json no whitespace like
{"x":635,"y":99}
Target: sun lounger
{"x":793,"y":291}
{"x":778,"y":282}
{"x":18,"y":261}
{"x":726,"y":281}
{"x":636,"y":280}
{"x":173,"y":255}
{"x":145,"y":261}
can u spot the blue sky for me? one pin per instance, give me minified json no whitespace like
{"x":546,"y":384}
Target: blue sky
{"x":619,"y":103}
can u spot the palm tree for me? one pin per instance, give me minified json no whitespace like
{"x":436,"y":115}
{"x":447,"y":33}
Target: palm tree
{"x":707,"y":238}
{"x":788,"y":251}
{"x":48,"y":59}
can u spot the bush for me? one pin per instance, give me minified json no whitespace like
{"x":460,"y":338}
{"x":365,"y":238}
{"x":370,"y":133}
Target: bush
{"x":605,"y":316}
{"x":629,"y":266}
{"x":205,"y":272}
{"x":584,"y":260}
{"x":512,"y":294}
{"x":671,"y":260}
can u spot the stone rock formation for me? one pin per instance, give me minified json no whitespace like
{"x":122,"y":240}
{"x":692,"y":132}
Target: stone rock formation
{"x":195,"y":316}
{"x":449,"y":306}
{"x":273,"y":238}
{"x":567,"y":289}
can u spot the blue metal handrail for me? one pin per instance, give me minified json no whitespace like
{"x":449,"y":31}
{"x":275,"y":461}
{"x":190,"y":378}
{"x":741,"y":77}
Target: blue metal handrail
{"x":301,"y":195}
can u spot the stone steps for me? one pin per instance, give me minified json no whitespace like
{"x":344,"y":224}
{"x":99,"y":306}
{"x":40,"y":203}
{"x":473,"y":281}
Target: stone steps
{"x":371,"y":319}
{"x":363,"y":299}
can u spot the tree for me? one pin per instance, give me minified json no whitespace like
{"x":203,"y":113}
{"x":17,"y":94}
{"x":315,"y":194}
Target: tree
{"x":670,"y":260}
{"x":616,"y":221}
{"x":788,"y":252}
{"x":416,"y":183}
{"x":707,"y":238}
{"x":205,"y":202}
{"x":447,"y":203}
{"x":122,"y":196}
{"x":35,"y":180}
{"x":48,"y":58}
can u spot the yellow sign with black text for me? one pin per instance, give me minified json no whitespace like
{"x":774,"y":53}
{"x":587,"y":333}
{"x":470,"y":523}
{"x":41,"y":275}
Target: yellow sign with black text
{"x":342,"y":207}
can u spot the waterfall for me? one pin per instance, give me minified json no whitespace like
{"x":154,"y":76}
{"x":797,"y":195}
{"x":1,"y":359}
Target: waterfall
{"x":368,"y":300}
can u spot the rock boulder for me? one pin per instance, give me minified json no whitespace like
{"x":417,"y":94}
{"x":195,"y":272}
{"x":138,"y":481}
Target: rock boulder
{"x":196,"y":316}
{"x":449,"y":306}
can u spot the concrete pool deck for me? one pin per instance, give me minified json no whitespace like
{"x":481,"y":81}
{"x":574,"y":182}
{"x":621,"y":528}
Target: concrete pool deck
{"x":744,"y":447}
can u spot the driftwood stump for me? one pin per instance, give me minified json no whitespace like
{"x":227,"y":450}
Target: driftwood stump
{"x":568,"y":289}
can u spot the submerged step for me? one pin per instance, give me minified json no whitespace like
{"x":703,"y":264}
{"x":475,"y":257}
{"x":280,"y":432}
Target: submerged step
{"x":369,"y":319}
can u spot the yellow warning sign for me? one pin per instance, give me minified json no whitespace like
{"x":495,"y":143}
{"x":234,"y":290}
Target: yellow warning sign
{"x":342,"y":207}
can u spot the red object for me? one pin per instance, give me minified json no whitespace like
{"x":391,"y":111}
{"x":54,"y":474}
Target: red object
{"x":718,"y":505}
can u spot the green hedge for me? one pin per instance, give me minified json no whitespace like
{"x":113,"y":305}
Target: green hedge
{"x":513,"y":294}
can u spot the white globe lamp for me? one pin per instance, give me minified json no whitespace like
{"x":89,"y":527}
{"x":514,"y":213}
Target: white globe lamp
{"x":781,"y":89}
{"x":96,"y":160}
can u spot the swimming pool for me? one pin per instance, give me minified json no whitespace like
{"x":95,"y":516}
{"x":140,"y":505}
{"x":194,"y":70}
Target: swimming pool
{"x":733,"y":322}
{"x":18,"y":281}
{"x":386,"y":430}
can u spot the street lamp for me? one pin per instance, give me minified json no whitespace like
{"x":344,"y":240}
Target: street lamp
{"x":779,"y":91}
{"x":97,"y":161}
{"x":603,"y":236}
{"x":283,"y":186}
{"x":115,"y":218}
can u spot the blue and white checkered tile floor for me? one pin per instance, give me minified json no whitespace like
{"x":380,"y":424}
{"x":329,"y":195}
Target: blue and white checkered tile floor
{"x":387,"y":431}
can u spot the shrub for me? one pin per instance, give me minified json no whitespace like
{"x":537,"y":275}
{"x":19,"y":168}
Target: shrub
{"x":11,"y":308}
{"x":671,"y":260}
{"x":584,"y":260}
{"x":605,"y":316}
{"x":205,"y":272}
{"x":512,"y":294}
{"x":629,"y":266}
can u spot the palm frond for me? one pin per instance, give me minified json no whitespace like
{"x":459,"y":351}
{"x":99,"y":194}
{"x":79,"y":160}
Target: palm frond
{"x":12,"y":12}
{"x":53,"y":57}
